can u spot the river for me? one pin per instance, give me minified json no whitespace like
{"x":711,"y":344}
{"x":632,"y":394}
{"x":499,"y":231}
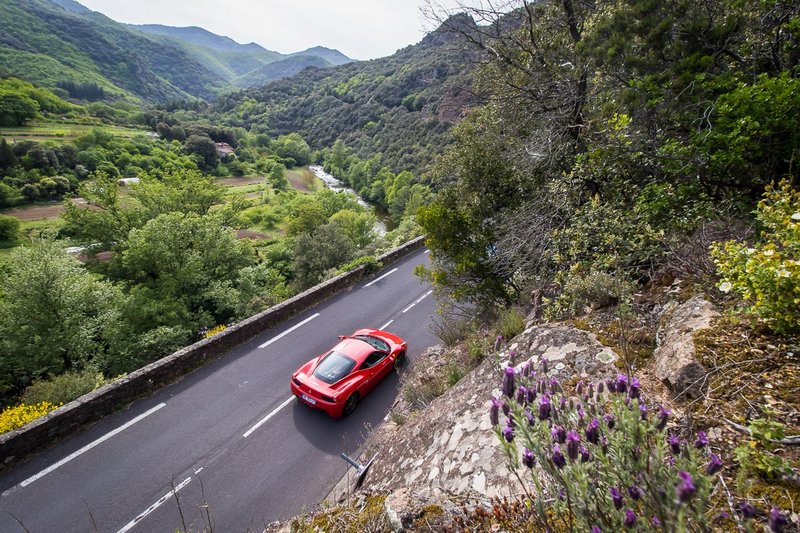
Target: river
{"x":382,"y":224}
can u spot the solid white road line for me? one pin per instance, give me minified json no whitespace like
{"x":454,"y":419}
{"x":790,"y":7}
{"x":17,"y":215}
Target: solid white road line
{"x":291,"y":329}
{"x":172,"y":492}
{"x":376,"y":280}
{"x":85,"y":449}
{"x":418,"y":301}
{"x":386,"y":325}
{"x":264,"y":420}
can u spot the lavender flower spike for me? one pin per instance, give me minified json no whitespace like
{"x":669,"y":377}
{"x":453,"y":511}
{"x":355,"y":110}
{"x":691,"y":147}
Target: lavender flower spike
{"x":573,"y":442}
{"x":702,"y":440}
{"x":528,"y":459}
{"x":508,"y":433}
{"x":747,"y":509}
{"x":634,"y":492}
{"x":522,"y":395}
{"x":714,"y":464}
{"x":585,"y":455}
{"x":635,"y":387}
{"x":593,"y":431}
{"x":616,"y":497}
{"x":622,"y":383}
{"x":544,"y":365}
{"x":630,"y":519}
{"x":777,"y":521}
{"x":558,"y":457}
{"x":508,"y":386}
{"x":494,"y":411}
{"x":663,"y":416}
{"x":559,"y":434}
{"x":685,"y":488}
{"x":674,"y":444}
{"x":544,"y":407}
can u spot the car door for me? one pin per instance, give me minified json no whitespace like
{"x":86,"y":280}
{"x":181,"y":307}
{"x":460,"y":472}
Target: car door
{"x":373,"y":369}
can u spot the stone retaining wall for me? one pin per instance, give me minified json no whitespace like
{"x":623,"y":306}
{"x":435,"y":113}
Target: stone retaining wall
{"x":91,"y":407}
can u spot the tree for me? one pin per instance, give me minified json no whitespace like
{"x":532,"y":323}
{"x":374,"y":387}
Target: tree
{"x":358,"y":225}
{"x":293,"y":146}
{"x":205,"y":149}
{"x":315,"y":253}
{"x":7,"y":157}
{"x":186,"y":259}
{"x":307,"y":214}
{"x":17,"y":109}
{"x":54,"y":315}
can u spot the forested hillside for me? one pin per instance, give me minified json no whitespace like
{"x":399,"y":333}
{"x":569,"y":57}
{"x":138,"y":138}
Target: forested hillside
{"x":401,"y":106}
{"x":242,"y":65}
{"x":46,"y":44}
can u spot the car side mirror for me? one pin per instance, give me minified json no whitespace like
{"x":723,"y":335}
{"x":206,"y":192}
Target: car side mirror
{"x":342,"y":337}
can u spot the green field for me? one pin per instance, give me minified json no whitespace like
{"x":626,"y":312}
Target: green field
{"x":62,"y":131}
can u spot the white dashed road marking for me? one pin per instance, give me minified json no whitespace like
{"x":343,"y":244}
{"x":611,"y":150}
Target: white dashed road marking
{"x":386,"y":325}
{"x":418,"y":301}
{"x":291,"y":329}
{"x":85,"y":449}
{"x":376,"y":280}
{"x":172,"y":492}
{"x":264,"y":420}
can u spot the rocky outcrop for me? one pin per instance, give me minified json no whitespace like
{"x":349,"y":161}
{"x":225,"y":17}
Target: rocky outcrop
{"x":450,"y":447}
{"x":675,"y":362}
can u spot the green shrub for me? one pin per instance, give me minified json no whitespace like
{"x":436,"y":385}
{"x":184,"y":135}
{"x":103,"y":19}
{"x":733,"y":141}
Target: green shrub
{"x":64,"y":388}
{"x":370,"y":262}
{"x":593,"y":289}
{"x":9,"y":228}
{"x":767,"y":275}
{"x":510,"y":323}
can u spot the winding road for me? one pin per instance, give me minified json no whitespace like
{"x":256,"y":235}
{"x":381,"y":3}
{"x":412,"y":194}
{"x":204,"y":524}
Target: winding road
{"x":227,"y":448}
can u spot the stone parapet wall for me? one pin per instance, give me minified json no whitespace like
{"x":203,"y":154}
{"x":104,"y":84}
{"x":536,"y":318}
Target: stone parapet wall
{"x":91,"y":407}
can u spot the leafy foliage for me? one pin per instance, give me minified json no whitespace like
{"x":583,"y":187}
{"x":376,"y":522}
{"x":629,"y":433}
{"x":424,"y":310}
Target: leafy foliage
{"x":767,"y":276}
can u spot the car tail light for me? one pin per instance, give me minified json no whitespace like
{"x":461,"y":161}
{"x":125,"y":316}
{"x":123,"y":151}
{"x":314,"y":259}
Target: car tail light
{"x":296,"y":381}
{"x":327,"y":398}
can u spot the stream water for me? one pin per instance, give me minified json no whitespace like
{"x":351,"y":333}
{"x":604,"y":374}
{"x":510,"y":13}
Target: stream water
{"x":383,"y":222}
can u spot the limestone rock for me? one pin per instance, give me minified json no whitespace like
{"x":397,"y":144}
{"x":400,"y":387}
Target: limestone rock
{"x":675,"y":360}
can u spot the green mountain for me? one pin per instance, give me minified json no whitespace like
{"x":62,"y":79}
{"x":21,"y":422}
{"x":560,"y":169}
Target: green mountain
{"x":243,"y":65}
{"x":56,"y":42}
{"x":402,"y":106}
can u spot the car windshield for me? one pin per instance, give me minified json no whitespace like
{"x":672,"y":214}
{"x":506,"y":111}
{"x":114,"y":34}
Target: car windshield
{"x":333,"y":367}
{"x":375,"y":342}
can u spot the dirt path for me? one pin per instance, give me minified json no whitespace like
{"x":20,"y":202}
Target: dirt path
{"x":40,"y":212}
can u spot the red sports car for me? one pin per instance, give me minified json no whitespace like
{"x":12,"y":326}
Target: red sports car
{"x":336,"y":380}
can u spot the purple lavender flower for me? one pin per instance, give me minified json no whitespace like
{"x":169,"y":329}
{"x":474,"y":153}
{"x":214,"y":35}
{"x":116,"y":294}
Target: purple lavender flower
{"x":508,"y":382}
{"x":559,"y":434}
{"x":508,"y":433}
{"x":634,"y":388}
{"x":655,"y":521}
{"x":663,"y":416}
{"x":544,"y":407}
{"x":581,"y":415}
{"x":643,"y":411}
{"x":777,"y":520}
{"x":562,"y":403}
{"x":579,"y":388}
{"x":674,"y":444}
{"x":630,"y":519}
{"x":522,"y":395}
{"x":558,"y":457}
{"x":616,"y":497}
{"x":610,"y":421}
{"x":604,"y":444}
{"x":714,"y":464}
{"x":600,"y":389}
{"x":530,"y":417}
{"x":747,"y":509}
{"x":670,"y":460}
{"x":585,"y":455}
{"x":612,"y":385}
{"x":622,"y":383}
{"x":554,"y":386}
{"x":593,"y":431}
{"x":506,"y":408}
{"x":562,"y":494}
{"x":512,"y":355}
{"x":494,"y":411}
{"x":634,"y":492}
{"x":590,"y":392}
{"x":531,"y":394}
{"x":497,"y":342}
{"x":596,"y":529}
{"x":685,"y":488}
{"x":573,"y":442}
{"x":544,"y":365}
{"x":702,"y":440}
{"x":528,"y":459}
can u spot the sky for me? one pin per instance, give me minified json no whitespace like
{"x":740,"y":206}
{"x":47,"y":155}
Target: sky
{"x":360,"y":29}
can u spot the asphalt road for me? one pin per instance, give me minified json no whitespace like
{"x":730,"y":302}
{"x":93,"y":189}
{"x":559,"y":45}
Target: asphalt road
{"x":228,"y":440}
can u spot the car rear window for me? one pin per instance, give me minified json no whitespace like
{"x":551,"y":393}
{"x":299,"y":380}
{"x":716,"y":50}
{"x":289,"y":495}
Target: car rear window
{"x":375,"y":342}
{"x":334,"y":367}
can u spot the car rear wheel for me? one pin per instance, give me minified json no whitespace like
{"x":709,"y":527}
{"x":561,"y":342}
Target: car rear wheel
{"x":400,"y":360}
{"x":350,"y":404}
